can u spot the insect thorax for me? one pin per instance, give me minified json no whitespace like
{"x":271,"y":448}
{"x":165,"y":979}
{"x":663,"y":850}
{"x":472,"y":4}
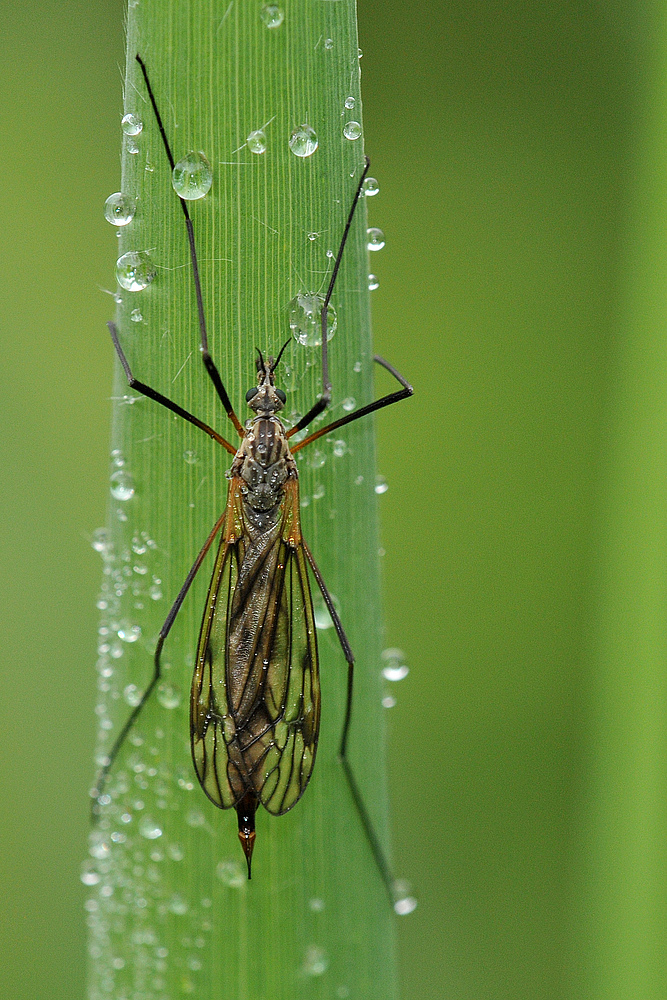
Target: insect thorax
{"x":265,"y":463}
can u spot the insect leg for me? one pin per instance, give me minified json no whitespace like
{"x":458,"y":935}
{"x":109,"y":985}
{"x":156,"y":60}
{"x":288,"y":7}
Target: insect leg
{"x":372,"y":837}
{"x":325,"y":398}
{"x":164,"y":632}
{"x":392,"y":397}
{"x":209,"y":364}
{"x":146,"y":390}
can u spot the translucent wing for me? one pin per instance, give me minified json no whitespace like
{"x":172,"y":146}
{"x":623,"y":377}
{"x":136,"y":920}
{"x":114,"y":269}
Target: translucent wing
{"x":255,"y":705}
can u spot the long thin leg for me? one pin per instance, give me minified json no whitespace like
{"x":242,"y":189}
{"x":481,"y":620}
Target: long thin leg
{"x":374,"y":843}
{"x":325,"y":398}
{"x":146,"y":390}
{"x":392,"y":397}
{"x":164,"y":632}
{"x":209,"y":364}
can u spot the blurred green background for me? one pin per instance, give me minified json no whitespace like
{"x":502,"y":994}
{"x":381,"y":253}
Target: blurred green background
{"x":521,"y":151}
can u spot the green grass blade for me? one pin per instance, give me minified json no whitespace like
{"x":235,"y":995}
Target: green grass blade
{"x":171,"y":913}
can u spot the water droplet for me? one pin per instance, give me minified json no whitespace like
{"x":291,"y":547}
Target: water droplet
{"x":149,"y":829}
{"x":128,"y":632}
{"x":381,"y":485}
{"x":190,"y":457}
{"x":370,"y":187}
{"x":136,"y":316}
{"x":98,"y":847}
{"x":168,"y":696}
{"x":352,"y":130}
{"x":316,"y":961}
{"x":375,"y":239}
{"x":231,"y":874}
{"x":373,"y":282}
{"x":195,"y":818}
{"x":323,"y":619}
{"x":256,"y":141}
{"x":349,"y":103}
{"x":132,"y":695}
{"x":192,"y":177}
{"x":272,"y":15}
{"x":405,"y":905}
{"x":339,"y":448}
{"x":119,"y":209}
{"x":318,"y":492}
{"x":117,"y":458}
{"x":131,"y":146}
{"x":100,"y":540}
{"x":388,"y":701}
{"x":359,"y":54}
{"x":155,"y":592}
{"x":313,"y":236}
{"x":316,"y":905}
{"x":394,"y":668}
{"x":305,"y":311}
{"x":349,"y":404}
{"x":122,"y":485}
{"x":135,"y":270}
{"x":330,"y":254}
{"x":303,"y":141}
{"x":89,"y":873}
{"x":357,"y":367}
{"x":316,"y":458}
{"x":178,"y":905}
{"x":131,"y":124}
{"x":328,"y":43}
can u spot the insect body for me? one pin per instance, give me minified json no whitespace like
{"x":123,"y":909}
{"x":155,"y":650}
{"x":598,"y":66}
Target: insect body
{"x":255,"y":700}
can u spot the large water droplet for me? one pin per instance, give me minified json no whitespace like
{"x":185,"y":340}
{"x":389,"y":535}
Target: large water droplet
{"x":119,"y":209}
{"x":352,"y":130}
{"x":394,"y":668}
{"x":370,"y":187}
{"x":131,"y":124}
{"x":272,"y":15}
{"x":375,"y":239}
{"x":149,"y":829}
{"x":135,"y":270}
{"x":305,"y":312}
{"x":122,"y":485}
{"x":303,"y":141}
{"x":256,"y":141}
{"x":192,"y":177}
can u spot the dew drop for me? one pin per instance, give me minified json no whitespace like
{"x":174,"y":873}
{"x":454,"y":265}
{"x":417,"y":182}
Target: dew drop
{"x":316,"y":458}
{"x":129,"y":632}
{"x":303,"y":141}
{"x":131,"y":124}
{"x":149,"y":829}
{"x":357,"y":367}
{"x":316,"y":905}
{"x":405,"y":905}
{"x":122,"y":485}
{"x":168,"y":696}
{"x":195,"y":818}
{"x":370,"y":187}
{"x":135,"y":270}
{"x":305,"y":311}
{"x":339,"y":448}
{"x":375,"y":239}
{"x":89,"y":873}
{"x":352,"y":130}
{"x":316,"y":961}
{"x":318,"y":492}
{"x":190,"y":457}
{"x":132,"y":695}
{"x":349,"y":103}
{"x":381,"y":485}
{"x":388,"y":701}
{"x":272,"y":16}
{"x":131,"y":146}
{"x":100,"y":540}
{"x":192,"y":177}
{"x":394,"y":668}
{"x":117,"y":458}
{"x":136,"y":316}
{"x":349,"y":404}
{"x":256,"y":141}
{"x":313,"y":236}
{"x":328,"y":44}
{"x":231,"y":874}
{"x":119,"y":209}
{"x":373,"y":282}
{"x":178,"y":905}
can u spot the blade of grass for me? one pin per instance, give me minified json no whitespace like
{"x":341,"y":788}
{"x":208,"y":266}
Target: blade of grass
{"x":171,"y":912}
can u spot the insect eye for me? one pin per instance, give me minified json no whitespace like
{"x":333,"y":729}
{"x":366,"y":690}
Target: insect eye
{"x":281,"y":395}
{"x":251,"y":392}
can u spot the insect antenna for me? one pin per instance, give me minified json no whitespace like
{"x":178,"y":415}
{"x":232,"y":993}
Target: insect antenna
{"x":280,"y":354}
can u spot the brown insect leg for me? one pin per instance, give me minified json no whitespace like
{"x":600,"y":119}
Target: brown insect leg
{"x":372,"y":837}
{"x":245,"y":810}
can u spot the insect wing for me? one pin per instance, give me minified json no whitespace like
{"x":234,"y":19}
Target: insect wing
{"x":255,"y":704}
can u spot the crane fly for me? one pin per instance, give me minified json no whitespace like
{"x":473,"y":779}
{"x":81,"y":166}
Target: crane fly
{"x":255,"y":698}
